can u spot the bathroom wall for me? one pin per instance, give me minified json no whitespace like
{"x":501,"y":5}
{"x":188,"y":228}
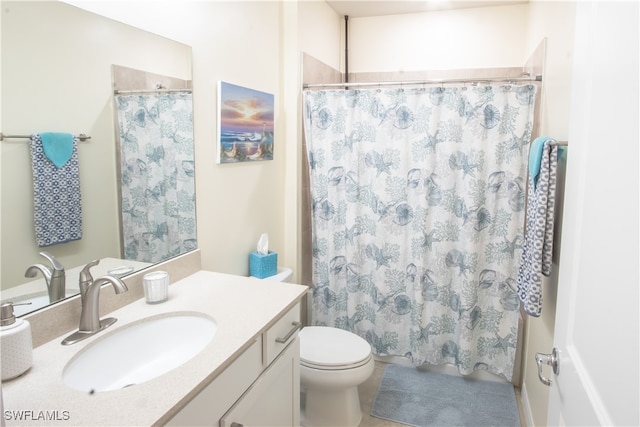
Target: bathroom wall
{"x":466,"y":38}
{"x":236,"y":42}
{"x":320,"y":33}
{"x":257,"y":44}
{"x":240,"y":42}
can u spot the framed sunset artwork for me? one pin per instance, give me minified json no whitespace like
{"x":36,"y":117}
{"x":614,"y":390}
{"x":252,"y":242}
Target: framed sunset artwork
{"x":245,"y":124}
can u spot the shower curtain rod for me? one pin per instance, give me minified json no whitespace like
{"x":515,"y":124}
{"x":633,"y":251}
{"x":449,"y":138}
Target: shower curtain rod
{"x":537,"y":78}
{"x":142,"y":91}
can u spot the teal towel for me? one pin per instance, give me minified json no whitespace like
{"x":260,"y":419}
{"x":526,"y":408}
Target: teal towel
{"x":58,"y":147}
{"x":535,"y":156}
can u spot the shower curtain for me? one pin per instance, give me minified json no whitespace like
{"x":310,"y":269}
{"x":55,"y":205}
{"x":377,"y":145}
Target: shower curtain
{"x":157,"y":175}
{"x":418,"y":199}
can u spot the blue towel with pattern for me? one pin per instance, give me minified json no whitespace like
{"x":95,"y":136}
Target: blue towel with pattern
{"x":57,"y":202}
{"x":538,"y":240}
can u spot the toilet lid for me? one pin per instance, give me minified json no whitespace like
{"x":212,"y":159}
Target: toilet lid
{"x":330,"y":347}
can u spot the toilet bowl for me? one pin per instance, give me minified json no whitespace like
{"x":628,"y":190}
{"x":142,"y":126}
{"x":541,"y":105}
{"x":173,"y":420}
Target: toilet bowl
{"x":333,"y":362}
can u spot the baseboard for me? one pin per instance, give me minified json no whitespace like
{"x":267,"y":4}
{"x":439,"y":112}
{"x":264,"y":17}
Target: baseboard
{"x":525,"y":407}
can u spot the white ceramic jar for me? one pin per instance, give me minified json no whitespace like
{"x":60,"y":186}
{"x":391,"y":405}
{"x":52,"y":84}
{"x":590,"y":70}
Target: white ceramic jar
{"x":16,"y":345}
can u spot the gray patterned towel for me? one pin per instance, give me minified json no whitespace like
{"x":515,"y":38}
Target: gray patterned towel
{"x":56,"y":196}
{"x":538,"y":242}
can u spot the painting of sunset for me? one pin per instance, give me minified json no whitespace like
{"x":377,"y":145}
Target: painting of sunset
{"x":245,"y":124}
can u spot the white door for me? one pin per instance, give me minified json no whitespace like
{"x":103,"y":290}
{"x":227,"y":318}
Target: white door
{"x":597,"y":320}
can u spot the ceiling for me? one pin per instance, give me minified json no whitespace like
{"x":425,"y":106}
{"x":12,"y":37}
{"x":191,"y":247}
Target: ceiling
{"x":366,"y":8}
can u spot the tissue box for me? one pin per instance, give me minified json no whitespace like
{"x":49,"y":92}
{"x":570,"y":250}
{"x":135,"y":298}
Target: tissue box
{"x":262,"y":266}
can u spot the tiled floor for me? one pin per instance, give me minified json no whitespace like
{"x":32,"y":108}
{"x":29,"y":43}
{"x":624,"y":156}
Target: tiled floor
{"x":368,"y":391}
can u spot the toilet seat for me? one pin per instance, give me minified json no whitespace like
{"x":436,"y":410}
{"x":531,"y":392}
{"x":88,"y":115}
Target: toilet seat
{"x":327,"y":348}
{"x":335,"y":367}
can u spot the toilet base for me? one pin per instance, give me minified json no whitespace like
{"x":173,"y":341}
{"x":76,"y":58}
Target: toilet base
{"x":330,"y":408}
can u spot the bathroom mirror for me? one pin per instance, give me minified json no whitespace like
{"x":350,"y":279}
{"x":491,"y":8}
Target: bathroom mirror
{"x":57,"y":76}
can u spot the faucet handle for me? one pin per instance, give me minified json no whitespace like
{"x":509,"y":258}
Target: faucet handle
{"x":85,"y":275}
{"x":57,"y":266}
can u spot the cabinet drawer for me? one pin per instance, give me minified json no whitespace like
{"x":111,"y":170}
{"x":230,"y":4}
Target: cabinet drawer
{"x":278,"y":336}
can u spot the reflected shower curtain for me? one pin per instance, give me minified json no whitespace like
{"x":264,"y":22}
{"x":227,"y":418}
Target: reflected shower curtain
{"x":418,"y":210}
{"x":157,"y":175}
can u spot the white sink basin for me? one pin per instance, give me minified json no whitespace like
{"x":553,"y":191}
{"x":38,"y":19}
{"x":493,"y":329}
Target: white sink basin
{"x":139,"y":352}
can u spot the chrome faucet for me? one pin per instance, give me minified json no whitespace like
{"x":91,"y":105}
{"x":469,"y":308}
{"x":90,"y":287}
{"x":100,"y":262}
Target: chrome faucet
{"x":90,"y":322}
{"x":54,"y":276}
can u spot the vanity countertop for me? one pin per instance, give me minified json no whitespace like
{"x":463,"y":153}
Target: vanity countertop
{"x":242,"y":307}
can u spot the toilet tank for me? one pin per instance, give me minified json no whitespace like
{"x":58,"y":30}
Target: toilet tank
{"x":283,"y":275}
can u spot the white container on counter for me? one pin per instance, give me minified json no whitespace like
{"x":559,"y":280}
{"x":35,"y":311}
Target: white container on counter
{"x":16,"y":344}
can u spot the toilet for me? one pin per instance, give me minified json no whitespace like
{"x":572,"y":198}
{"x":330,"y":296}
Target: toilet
{"x":333,"y":363}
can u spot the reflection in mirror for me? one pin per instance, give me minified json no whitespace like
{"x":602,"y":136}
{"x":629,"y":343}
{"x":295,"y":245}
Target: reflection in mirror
{"x":57,"y":77}
{"x":156,"y":168}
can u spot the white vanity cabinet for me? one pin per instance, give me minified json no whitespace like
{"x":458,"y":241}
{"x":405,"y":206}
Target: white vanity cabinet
{"x":274,"y":399}
{"x":261,"y":387}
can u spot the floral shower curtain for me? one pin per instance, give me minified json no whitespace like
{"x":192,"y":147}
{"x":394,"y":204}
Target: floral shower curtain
{"x":157,"y":175}
{"x":418,"y":211}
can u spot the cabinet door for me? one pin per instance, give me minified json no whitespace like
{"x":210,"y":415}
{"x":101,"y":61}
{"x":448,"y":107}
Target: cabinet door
{"x":215,"y":399}
{"x":274,"y":399}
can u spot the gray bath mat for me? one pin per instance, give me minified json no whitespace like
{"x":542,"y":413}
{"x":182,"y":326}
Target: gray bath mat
{"x":420,"y":398}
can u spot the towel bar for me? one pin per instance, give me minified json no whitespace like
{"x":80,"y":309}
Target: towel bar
{"x":81,"y":137}
{"x":560,"y":143}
